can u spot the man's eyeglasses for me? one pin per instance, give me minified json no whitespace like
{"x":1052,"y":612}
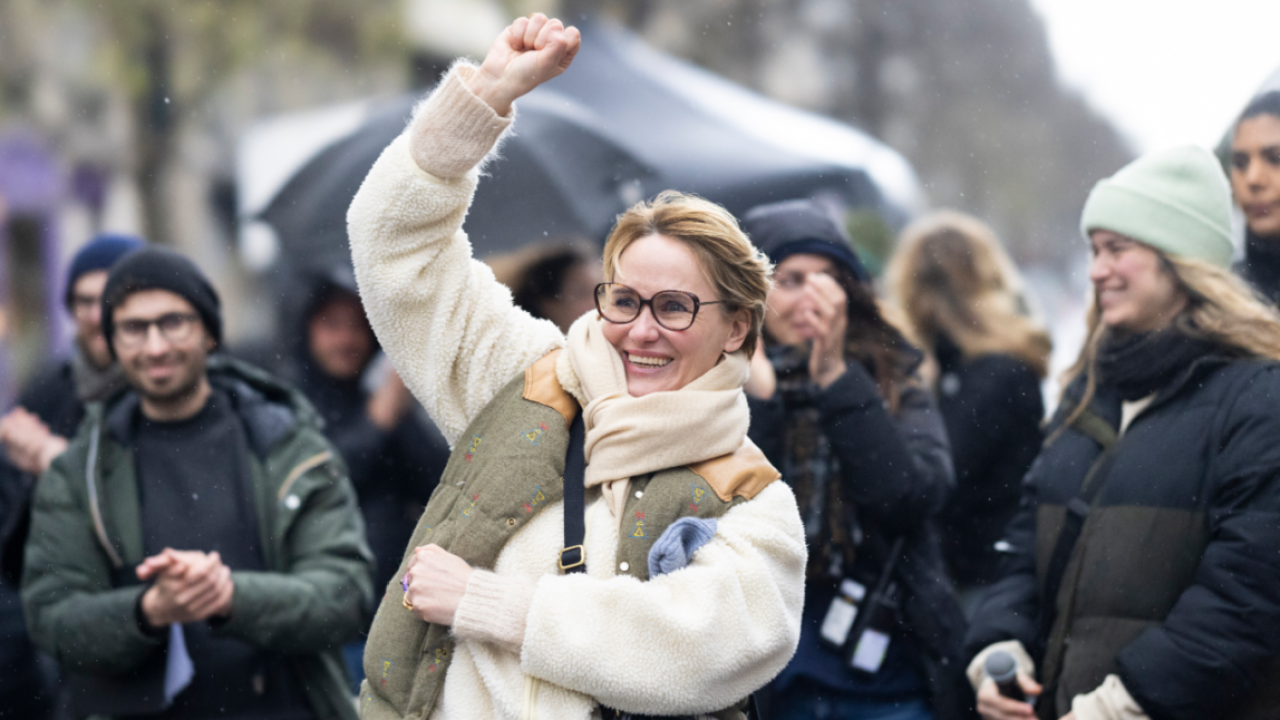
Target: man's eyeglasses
{"x":85,"y":305}
{"x":174,"y":327}
{"x":673,"y":309}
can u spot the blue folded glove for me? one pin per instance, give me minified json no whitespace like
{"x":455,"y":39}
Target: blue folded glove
{"x":675,"y":548}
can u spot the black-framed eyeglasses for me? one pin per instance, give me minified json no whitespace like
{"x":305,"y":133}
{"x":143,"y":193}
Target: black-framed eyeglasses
{"x":673,"y":309}
{"x":174,"y":327}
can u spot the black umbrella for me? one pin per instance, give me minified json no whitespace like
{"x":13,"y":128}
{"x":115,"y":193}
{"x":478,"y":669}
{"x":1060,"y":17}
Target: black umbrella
{"x":623,"y":124}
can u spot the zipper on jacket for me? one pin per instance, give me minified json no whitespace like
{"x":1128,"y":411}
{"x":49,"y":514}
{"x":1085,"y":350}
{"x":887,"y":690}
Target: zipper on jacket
{"x":529,"y":708}
{"x":95,"y":511}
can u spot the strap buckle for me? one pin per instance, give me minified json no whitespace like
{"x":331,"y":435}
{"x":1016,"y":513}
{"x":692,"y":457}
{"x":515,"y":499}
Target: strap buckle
{"x":581,"y":557}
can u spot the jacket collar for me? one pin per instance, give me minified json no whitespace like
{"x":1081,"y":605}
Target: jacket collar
{"x":270,"y":411}
{"x":1107,"y":404}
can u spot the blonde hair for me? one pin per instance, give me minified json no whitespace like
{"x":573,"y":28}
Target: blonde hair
{"x":951,"y":276}
{"x":739,"y":273}
{"x":1221,"y":308}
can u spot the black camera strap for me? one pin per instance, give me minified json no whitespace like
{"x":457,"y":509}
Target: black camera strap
{"x":573,"y":558}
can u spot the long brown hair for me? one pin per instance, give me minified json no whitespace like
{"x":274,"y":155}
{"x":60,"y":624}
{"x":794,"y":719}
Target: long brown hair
{"x":951,"y":276}
{"x":1220,"y":308}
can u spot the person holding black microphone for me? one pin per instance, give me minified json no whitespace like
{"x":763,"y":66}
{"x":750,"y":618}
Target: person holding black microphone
{"x":1141,"y":578}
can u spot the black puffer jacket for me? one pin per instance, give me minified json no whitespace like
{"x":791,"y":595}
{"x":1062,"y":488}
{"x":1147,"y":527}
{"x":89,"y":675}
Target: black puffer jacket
{"x":895,"y":474}
{"x":992,"y":408}
{"x":1260,"y":266}
{"x":1178,"y":589}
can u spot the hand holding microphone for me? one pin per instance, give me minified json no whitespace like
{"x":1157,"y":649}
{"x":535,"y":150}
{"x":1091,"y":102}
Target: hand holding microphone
{"x":1008,"y":694}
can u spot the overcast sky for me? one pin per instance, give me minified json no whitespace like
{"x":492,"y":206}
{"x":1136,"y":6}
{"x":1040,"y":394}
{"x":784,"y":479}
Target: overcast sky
{"x":1166,"y":72}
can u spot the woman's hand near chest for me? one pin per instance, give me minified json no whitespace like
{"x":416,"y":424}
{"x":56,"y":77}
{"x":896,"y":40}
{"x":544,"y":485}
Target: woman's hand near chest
{"x":435,"y":583}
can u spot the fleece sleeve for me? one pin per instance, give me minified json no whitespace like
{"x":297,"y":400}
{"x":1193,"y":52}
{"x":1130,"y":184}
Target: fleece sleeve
{"x":449,"y":327}
{"x":694,"y":641}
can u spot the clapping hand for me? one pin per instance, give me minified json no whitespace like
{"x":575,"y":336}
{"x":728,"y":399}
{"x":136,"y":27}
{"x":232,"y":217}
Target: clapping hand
{"x":30,"y":445}
{"x":825,"y":311}
{"x":529,"y":52}
{"x":189,"y":586}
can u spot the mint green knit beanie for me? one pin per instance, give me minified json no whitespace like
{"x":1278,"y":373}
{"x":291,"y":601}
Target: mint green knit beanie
{"x":1177,"y":201}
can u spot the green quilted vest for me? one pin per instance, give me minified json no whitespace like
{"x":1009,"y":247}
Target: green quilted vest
{"x":505,"y":469}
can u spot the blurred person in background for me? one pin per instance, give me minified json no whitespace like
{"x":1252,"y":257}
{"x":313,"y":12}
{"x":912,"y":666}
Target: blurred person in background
{"x":32,"y":434}
{"x":1142,"y":578}
{"x":836,"y":406}
{"x":393,"y":458}
{"x":961,"y":297}
{"x":1255,"y":183}
{"x":553,"y":281}
{"x":196,"y":551}
{"x":52,"y":404}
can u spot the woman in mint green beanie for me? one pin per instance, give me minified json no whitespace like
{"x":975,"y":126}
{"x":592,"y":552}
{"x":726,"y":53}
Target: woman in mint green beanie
{"x":1142,"y":578}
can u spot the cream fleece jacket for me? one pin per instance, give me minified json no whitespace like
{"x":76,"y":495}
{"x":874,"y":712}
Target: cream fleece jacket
{"x":1109,"y":701}
{"x":532,"y":642}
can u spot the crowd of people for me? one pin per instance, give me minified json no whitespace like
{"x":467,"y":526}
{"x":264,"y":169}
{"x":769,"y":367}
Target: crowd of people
{"x":722,"y":473}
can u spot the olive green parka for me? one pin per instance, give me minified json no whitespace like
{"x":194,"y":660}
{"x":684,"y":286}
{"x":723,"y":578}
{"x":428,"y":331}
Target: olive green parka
{"x":85,"y":540}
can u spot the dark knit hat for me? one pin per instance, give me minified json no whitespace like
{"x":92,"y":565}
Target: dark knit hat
{"x":99,"y":253}
{"x":792,"y":227}
{"x":155,"y":268}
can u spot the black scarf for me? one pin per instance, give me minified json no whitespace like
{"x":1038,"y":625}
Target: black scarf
{"x":1261,"y":264}
{"x":1138,"y":364}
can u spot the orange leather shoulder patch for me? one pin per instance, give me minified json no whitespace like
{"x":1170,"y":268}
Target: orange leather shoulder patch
{"x":745,"y":471}
{"x":542,"y":386}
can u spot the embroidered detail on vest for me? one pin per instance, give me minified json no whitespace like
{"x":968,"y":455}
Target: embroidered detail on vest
{"x":698,"y":494}
{"x":471,"y":451}
{"x":438,"y":657}
{"x":539,"y":497}
{"x":470,"y":509}
{"x":639,"y":533}
{"x":386,"y":667}
{"x":535,"y":435}
{"x":542,"y":386}
{"x":744,"y":472}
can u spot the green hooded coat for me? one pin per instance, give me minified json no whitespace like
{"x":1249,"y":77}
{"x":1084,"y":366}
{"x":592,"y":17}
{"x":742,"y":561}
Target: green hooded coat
{"x":86,"y":540}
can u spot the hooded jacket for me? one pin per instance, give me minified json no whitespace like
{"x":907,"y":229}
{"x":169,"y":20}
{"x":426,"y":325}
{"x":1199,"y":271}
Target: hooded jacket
{"x":85,"y":540}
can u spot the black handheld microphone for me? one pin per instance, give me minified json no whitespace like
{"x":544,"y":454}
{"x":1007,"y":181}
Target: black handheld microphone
{"x":1001,"y":667}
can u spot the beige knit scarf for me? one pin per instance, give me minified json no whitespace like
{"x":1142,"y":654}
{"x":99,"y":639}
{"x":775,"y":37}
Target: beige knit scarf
{"x":628,"y":436}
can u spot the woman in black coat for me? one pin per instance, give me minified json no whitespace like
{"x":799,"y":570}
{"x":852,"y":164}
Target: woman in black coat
{"x":1143,"y":579}
{"x":835,"y":408}
{"x":1255,"y":182}
{"x":961,"y":298}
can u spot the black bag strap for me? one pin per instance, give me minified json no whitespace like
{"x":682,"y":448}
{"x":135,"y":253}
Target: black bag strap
{"x":573,"y":558}
{"x":1077,"y":511}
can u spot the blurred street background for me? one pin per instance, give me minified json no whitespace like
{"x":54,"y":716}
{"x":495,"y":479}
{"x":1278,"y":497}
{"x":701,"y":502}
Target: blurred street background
{"x":236,"y":130}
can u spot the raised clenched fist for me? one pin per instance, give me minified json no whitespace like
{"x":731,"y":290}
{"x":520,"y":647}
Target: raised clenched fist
{"x":528,"y":53}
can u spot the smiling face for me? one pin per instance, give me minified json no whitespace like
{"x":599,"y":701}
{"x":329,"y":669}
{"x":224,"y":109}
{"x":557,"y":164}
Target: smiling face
{"x":657,"y":359}
{"x":1255,"y":172}
{"x":86,"y":308}
{"x":1132,"y":288}
{"x":167,"y":372}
